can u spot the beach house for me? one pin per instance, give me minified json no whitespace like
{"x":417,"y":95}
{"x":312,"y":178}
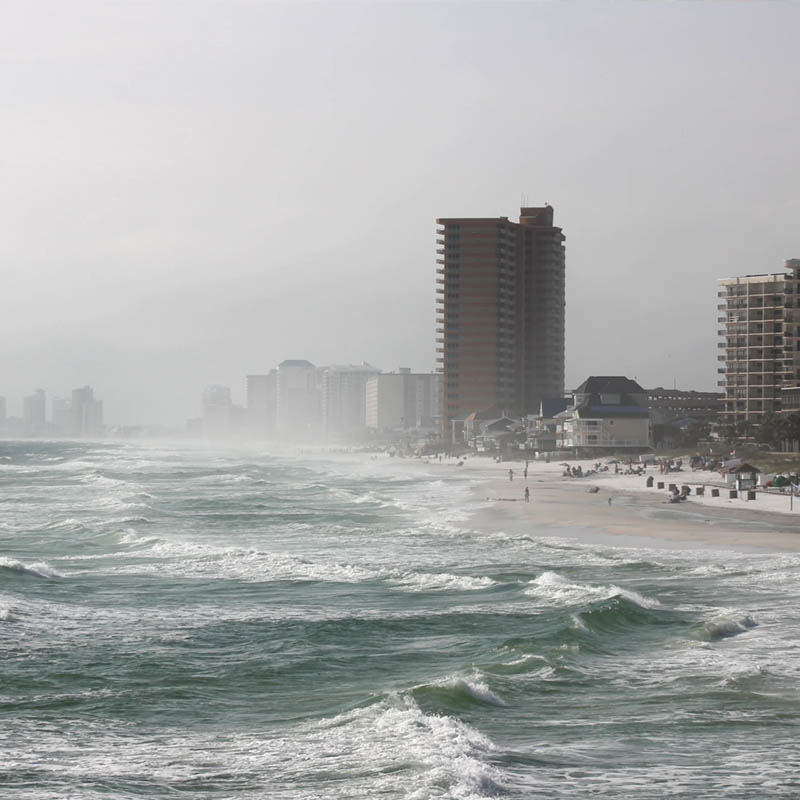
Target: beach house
{"x":608,"y":413}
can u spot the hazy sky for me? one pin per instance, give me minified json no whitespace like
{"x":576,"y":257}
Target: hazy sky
{"x":192,"y":191}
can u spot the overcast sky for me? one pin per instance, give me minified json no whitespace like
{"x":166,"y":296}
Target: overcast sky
{"x":193,"y":191}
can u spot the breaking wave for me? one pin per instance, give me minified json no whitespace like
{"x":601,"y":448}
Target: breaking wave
{"x":38,"y":569}
{"x":724,"y":626}
{"x":455,"y":691}
{"x":555,"y":589}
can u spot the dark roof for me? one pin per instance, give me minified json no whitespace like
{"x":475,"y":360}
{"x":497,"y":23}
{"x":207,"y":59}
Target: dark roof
{"x":487,"y":413}
{"x":550,"y":406}
{"x":609,"y":384}
{"x":504,"y":419}
{"x":502,"y":422}
{"x":587,"y":410}
{"x":295,"y":362}
{"x":744,"y":468}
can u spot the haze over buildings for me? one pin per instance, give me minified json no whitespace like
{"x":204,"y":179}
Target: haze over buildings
{"x":186,"y":203}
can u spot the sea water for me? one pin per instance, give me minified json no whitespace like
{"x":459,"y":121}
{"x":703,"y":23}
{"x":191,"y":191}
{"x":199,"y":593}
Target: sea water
{"x":187,"y":622}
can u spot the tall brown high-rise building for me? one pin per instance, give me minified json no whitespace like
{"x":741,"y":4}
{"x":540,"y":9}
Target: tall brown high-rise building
{"x":500,"y":312}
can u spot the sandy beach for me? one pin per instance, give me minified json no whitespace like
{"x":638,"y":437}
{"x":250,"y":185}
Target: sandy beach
{"x":568,"y":506}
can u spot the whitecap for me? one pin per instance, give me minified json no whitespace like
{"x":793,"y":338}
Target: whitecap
{"x":725,"y":625}
{"x":440,"y":581}
{"x":39,"y":568}
{"x":475,"y":688}
{"x":556,"y":589}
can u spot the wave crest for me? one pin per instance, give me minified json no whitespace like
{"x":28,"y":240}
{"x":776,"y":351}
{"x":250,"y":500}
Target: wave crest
{"x":558,"y":590}
{"x":39,"y":568}
{"x":724,"y":626}
{"x":440,"y":581}
{"x":456,"y":691}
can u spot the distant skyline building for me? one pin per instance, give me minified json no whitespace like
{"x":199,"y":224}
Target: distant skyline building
{"x":86,"y":413}
{"x":217,"y":411}
{"x":500,"y":312}
{"x":403,"y":400}
{"x":2,"y":411}
{"x":33,"y":413}
{"x":298,"y":407}
{"x":343,"y":396}
{"x":761,"y":345}
{"x":262,"y":397}
{"x":61,"y":415}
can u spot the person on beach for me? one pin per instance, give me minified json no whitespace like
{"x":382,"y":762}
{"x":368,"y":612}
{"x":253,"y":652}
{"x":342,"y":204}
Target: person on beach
{"x":525,"y":472}
{"x":511,"y":474}
{"x":527,"y":495}
{"x":609,"y":500}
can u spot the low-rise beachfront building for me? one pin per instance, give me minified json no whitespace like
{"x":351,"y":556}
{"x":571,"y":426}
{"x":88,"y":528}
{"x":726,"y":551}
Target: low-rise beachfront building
{"x":487,"y":431}
{"x":541,"y":429}
{"x":608,"y":413}
{"x":741,"y":476}
{"x":676,"y":406}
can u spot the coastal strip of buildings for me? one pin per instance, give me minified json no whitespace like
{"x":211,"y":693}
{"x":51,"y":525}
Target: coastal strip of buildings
{"x":298,"y":401}
{"x":500,"y":365}
{"x":77,"y":416}
{"x":500,"y":344}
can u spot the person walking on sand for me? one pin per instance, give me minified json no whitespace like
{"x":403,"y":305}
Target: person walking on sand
{"x":609,"y":499}
{"x":525,"y":472}
{"x":511,"y":474}
{"x":527,"y":495}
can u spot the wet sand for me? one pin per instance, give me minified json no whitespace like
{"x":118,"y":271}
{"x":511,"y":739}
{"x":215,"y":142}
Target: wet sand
{"x":565,"y":506}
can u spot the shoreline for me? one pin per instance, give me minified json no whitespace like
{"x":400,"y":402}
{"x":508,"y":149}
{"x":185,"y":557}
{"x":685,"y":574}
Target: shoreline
{"x":637,"y":516}
{"x":567,"y":507}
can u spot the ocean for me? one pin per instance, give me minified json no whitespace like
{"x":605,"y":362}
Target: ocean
{"x":187,"y":622}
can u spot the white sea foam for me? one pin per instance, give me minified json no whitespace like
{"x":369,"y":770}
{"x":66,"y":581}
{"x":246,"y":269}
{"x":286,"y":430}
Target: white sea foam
{"x":130,"y":536}
{"x":474,"y":687}
{"x":440,"y":581}
{"x":234,"y":478}
{"x":431,"y":753}
{"x":194,"y":559}
{"x":726,"y":624}
{"x":553,"y":588}
{"x":390,"y":748}
{"x":38,"y":568}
